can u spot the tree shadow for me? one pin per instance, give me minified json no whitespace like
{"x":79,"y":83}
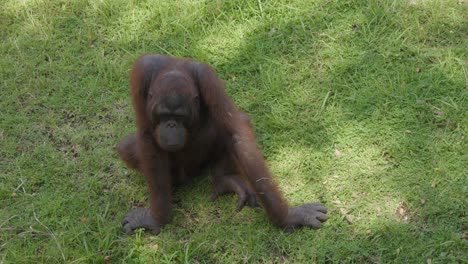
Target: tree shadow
{"x":356,"y":93}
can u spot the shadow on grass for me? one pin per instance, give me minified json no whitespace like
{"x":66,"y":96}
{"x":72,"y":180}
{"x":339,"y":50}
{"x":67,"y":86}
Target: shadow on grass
{"x":389,"y":96}
{"x":384,"y":96}
{"x":308,"y":94}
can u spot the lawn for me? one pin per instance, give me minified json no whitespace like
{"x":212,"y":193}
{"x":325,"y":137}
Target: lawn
{"x":361,"y":105}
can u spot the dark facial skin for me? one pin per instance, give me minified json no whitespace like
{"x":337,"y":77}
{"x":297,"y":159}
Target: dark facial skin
{"x":186,"y":121}
{"x":171,"y":98}
{"x":171,"y":116}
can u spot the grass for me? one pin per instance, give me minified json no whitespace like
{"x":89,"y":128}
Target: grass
{"x":358,"y":104}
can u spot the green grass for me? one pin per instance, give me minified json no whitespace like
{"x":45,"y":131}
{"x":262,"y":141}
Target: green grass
{"x":361,"y":105}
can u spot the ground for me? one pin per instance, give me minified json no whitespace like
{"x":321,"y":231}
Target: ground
{"x":360,"y":105}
